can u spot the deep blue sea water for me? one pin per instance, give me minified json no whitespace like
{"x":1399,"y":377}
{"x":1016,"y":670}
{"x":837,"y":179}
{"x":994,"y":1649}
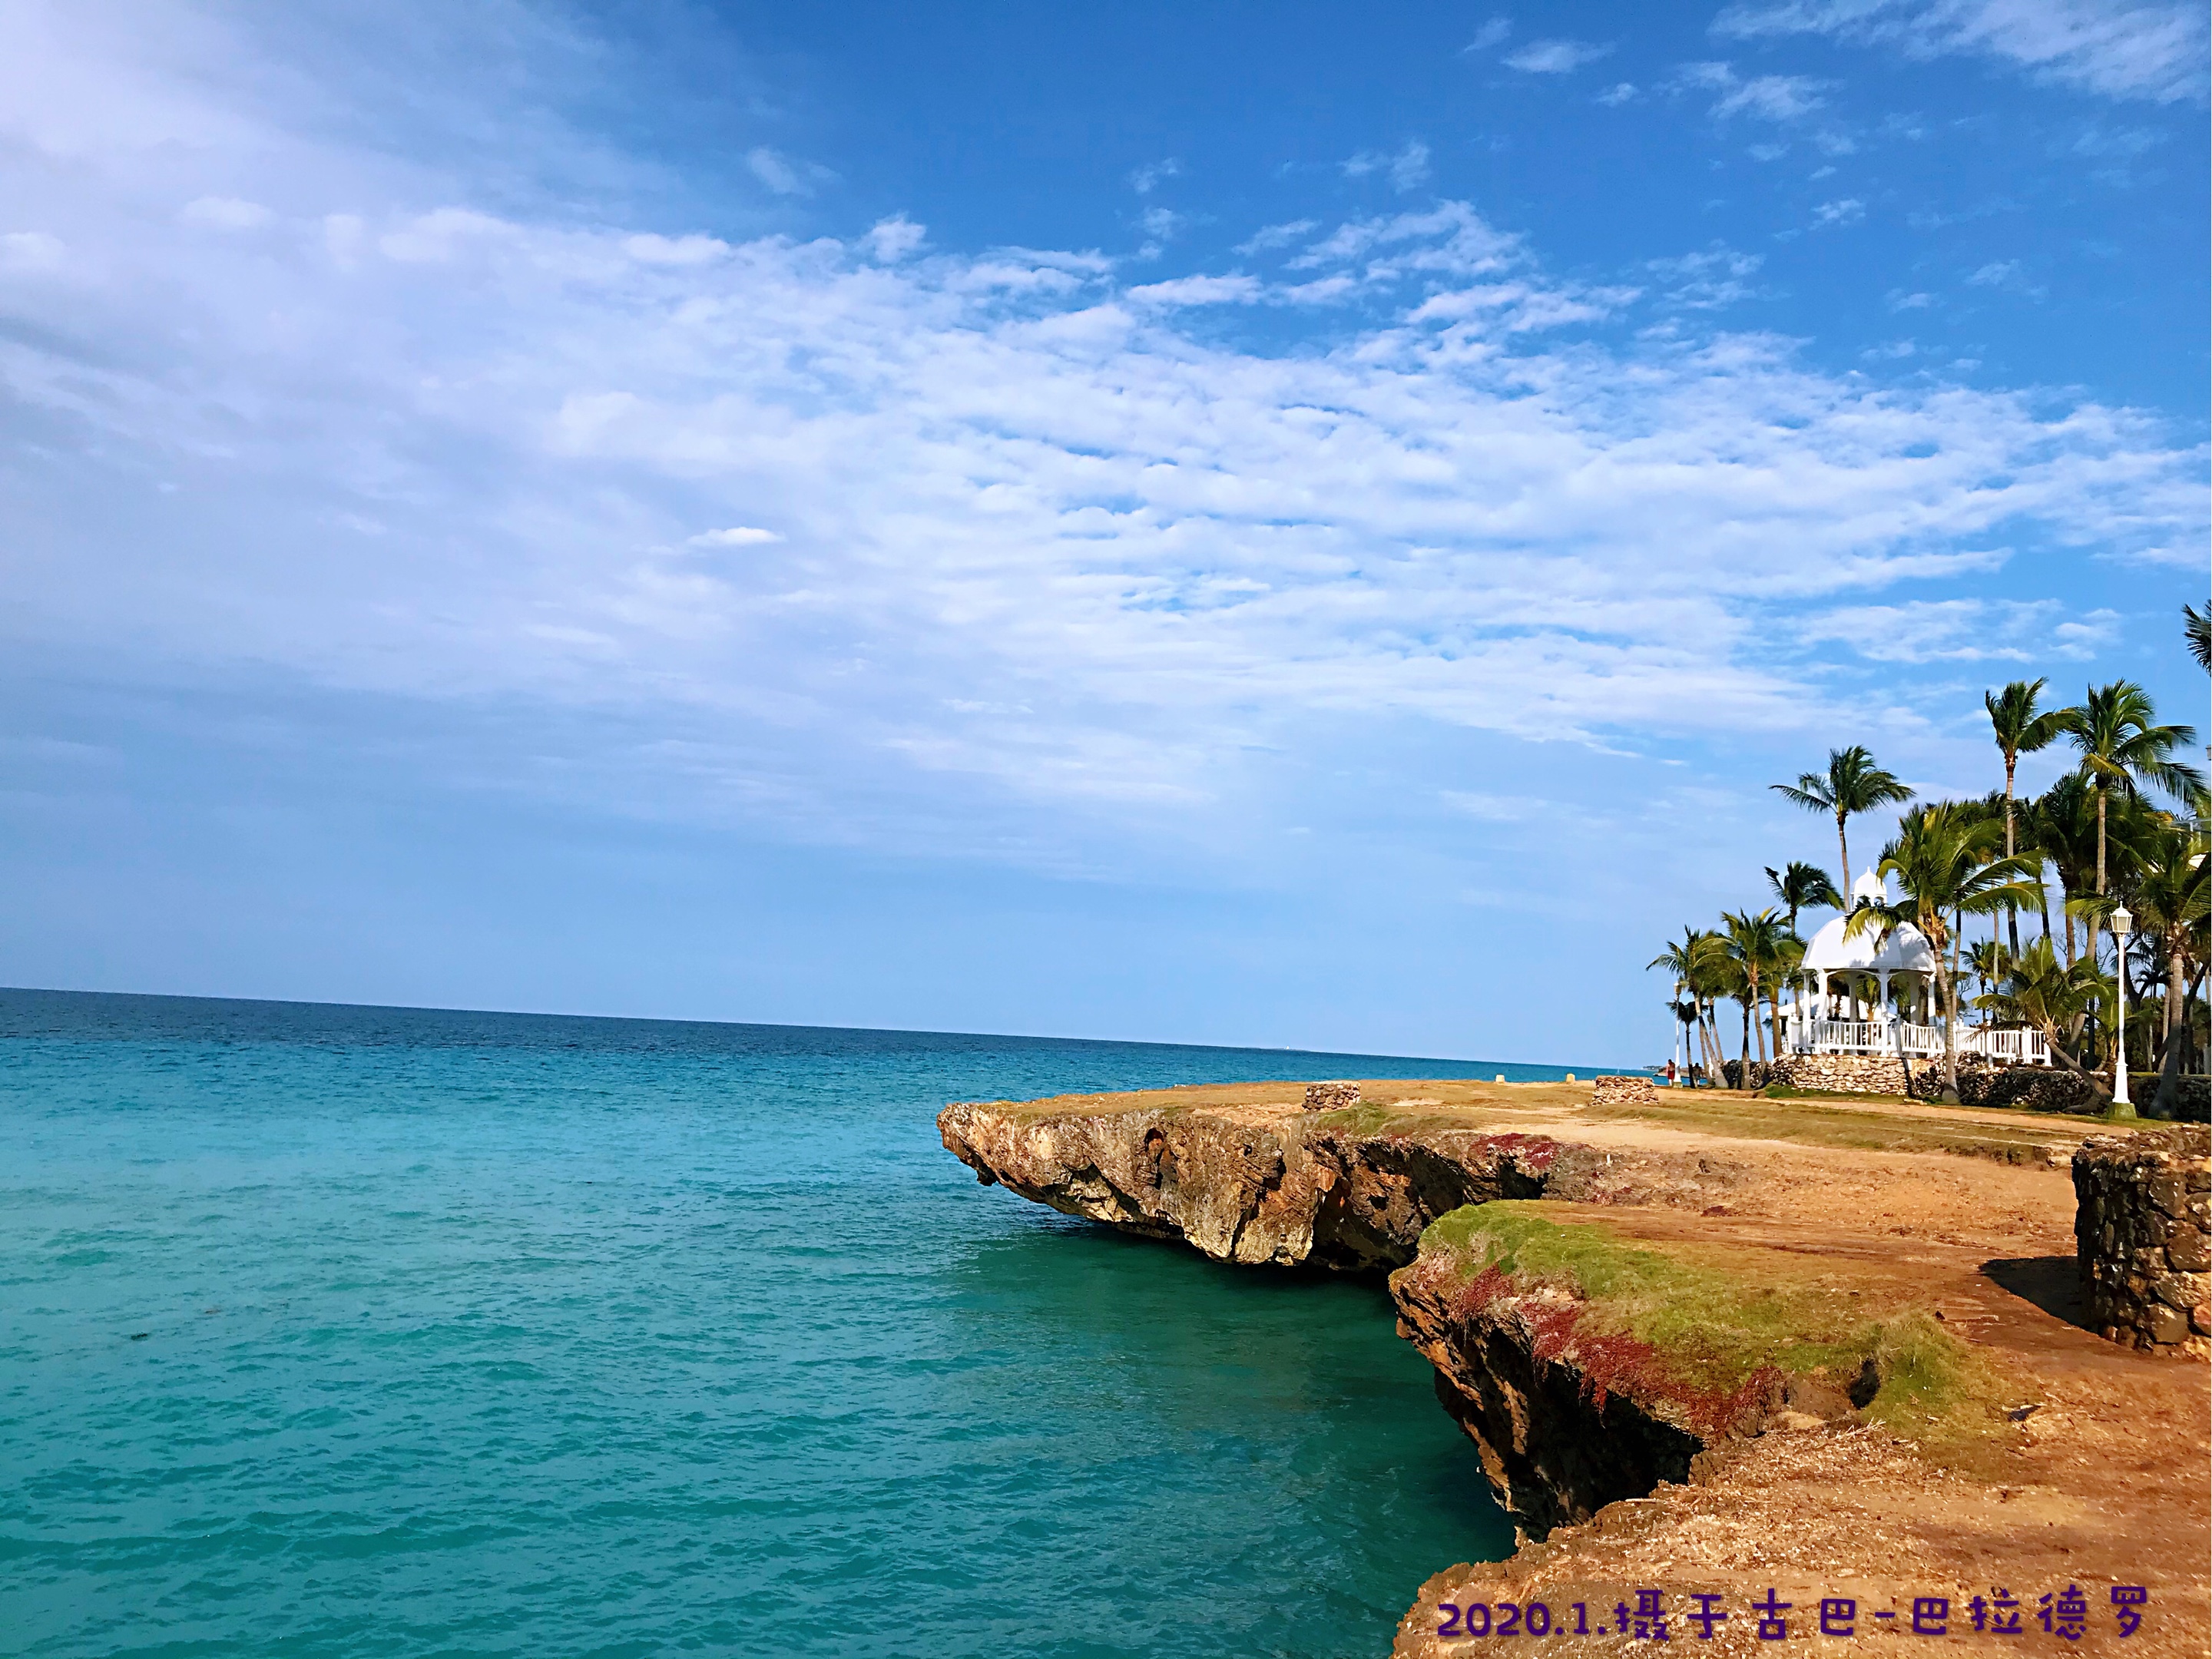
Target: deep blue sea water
{"x":381,"y":1332}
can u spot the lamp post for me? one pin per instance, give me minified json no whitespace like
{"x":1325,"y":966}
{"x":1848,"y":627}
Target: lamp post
{"x":2122,"y":925}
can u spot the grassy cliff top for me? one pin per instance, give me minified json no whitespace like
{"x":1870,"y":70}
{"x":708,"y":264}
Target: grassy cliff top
{"x":1704,"y":1317}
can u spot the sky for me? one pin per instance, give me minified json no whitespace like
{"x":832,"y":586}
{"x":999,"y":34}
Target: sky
{"x":1294,"y":525}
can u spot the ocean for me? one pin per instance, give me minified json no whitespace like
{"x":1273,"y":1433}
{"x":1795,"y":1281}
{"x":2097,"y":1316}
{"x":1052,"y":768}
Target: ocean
{"x":377,"y":1332}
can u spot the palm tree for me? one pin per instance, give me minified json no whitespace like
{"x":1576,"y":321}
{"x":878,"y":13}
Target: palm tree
{"x":1947,"y":865}
{"x":2037,"y":991}
{"x":1781,"y":969}
{"x":1800,"y":884}
{"x":1852,"y":784}
{"x":2169,"y":898}
{"x":2119,"y":744}
{"x":1753,"y":945}
{"x":1700,"y":967}
{"x":2064,"y":823}
{"x":2171,"y":912}
{"x":2021,"y":729}
{"x":2197,"y":625}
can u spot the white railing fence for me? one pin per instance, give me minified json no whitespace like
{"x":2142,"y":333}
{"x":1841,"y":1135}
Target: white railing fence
{"x":1875,"y":1037}
{"x":2020,"y":1048}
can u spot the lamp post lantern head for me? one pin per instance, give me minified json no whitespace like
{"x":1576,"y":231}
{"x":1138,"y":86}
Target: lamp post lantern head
{"x":2123,"y":923}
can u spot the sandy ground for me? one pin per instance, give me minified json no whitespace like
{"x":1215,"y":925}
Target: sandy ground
{"x":2110,"y":1482}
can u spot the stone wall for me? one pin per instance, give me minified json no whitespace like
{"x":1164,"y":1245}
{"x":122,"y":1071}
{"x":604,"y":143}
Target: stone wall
{"x":1624,"y":1091}
{"x":1331,"y":1096}
{"x":2033,"y":1088}
{"x":1849,"y":1074}
{"x":2143,"y":1230}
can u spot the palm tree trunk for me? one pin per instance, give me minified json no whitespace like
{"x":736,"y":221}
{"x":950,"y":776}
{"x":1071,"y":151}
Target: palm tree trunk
{"x":2162,"y":1100}
{"x":1743,"y":1063}
{"x":1844,"y":851}
{"x":1943,"y":983}
{"x":1958,"y":944}
{"x":2012,"y":911}
{"x":2095,"y":922}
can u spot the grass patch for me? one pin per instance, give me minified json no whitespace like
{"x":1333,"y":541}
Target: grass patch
{"x":1812,"y":1121}
{"x":1938,"y":1393}
{"x":1783,"y":1091}
{"x":1364,"y":1117}
{"x":1714,"y":1315}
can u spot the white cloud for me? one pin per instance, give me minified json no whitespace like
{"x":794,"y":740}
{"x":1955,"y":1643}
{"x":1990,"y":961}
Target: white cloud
{"x":1161,"y":226}
{"x":892,"y":239}
{"x":1782,"y":98}
{"x":1043,"y":541}
{"x":2117,"y":48}
{"x":1452,"y":237}
{"x":1499,"y":809}
{"x":1849,"y":210}
{"x":1146,"y":179}
{"x":1964,"y":630}
{"x":1556,"y":57}
{"x":1491,"y":33}
{"x":1199,"y":291}
{"x":2084,"y":637}
{"x":1407,"y":168}
{"x":740,"y":535}
{"x":31,"y":250}
{"x":1321,"y":291}
{"x":1997,"y":274}
{"x":1707,"y":280}
{"x":695,"y":250}
{"x":1619,"y":93}
{"x":1270,"y":237}
{"x":1900,"y":301}
{"x":784,"y":174}
{"x":225,"y":213}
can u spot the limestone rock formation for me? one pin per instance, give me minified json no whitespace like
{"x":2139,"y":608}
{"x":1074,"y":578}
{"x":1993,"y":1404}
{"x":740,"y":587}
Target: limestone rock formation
{"x":1277,"y":1185}
{"x":1569,"y":1416}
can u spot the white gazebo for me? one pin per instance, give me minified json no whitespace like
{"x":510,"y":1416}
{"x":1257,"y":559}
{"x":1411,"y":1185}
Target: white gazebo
{"x":1824,"y":1018}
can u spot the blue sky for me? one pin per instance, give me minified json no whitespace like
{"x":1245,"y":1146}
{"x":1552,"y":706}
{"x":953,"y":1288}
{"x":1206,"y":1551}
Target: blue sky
{"x":1248,"y":524}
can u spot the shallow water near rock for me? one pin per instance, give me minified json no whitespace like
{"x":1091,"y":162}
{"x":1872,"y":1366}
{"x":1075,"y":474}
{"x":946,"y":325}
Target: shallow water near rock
{"x":369,"y":1331}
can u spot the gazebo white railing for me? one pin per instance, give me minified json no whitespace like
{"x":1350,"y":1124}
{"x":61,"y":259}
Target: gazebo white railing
{"x":1915,"y":1042}
{"x":1845,"y":1037}
{"x":2021,"y":1047}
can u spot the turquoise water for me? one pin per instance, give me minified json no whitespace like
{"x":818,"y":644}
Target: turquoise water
{"x":369,"y":1331}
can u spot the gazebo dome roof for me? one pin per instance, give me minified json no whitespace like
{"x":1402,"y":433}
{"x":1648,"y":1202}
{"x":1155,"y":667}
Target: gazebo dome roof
{"x":1905,"y":950}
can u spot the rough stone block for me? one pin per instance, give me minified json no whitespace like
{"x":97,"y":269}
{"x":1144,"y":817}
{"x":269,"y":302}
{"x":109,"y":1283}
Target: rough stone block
{"x":2145,"y":1252}
{"x":1612,"y":1090}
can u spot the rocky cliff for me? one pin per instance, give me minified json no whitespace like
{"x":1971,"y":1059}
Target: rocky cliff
{"x":1349,"y":1189}
{"x":1587,"y":1368}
